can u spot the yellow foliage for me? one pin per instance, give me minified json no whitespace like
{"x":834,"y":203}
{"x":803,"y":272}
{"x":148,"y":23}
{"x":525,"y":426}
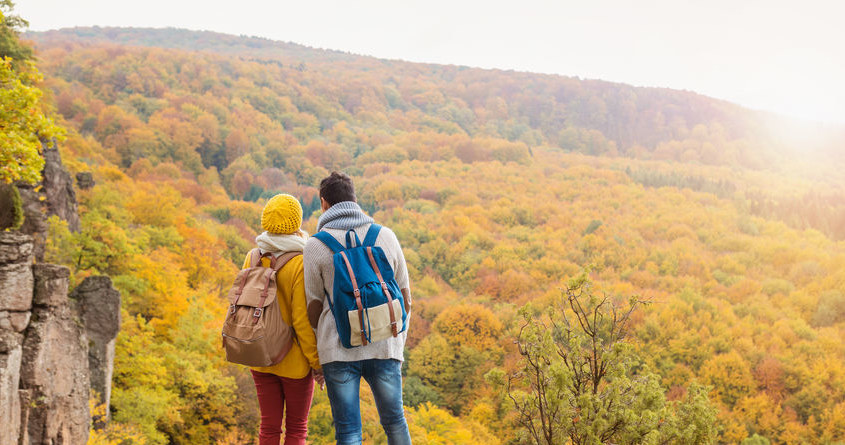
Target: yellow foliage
{"x":23,"y":124}
{"x":116,"y":434}
{"x":834,"y":425}
{"x":430,"y":425}
{"x":471,"y":325}
{"x":730,"y":376}
{"x":166,"y":298}
{"x":156,"y":205}
{"x":761,"y":414}
{"x":734,"y":431}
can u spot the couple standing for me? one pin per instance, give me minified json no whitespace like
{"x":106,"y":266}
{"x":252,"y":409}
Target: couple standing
{"x":303,"y":284}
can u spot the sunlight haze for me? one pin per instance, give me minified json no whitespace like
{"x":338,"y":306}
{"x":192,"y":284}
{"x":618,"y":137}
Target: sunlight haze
{"x":781,"y":56}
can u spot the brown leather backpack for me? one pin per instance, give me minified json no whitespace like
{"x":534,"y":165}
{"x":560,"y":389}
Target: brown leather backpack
{"x":254,"y":333}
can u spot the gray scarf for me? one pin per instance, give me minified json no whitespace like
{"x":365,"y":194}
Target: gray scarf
{"x":343,"y":215}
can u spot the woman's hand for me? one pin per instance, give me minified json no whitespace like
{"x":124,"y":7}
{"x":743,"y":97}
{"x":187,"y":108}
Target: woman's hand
{"x":318,"y":377}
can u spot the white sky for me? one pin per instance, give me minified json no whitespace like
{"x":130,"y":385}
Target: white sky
{"x":778,"y":55}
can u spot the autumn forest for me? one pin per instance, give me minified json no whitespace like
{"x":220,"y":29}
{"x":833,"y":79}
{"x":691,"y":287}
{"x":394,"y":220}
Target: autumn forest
{"x":723,"y":227}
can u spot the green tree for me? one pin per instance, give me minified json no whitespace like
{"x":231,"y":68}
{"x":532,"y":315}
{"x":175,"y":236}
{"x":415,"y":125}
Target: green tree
{"x":23,"y":124}
{"x":10,"y":27}
{"x":580,"y":382}
{"x":10,"y":198}
{"x":454,"y":372}
{"x":831,"y":309}
{"x":756,"y":440}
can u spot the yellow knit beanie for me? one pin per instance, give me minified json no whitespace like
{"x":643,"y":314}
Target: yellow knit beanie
{"x":282,"y":214}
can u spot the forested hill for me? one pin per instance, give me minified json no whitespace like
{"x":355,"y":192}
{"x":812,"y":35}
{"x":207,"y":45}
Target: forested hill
{"x":590,"y":116}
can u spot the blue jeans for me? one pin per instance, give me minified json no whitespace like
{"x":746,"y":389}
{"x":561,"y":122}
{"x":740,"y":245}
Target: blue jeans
{"x":343,"y":382}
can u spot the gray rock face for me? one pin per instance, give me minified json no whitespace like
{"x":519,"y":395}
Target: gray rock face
{"x":9,"y":341}
{"x":15,"y":271}
{"x":47,"y":367}
{"x":59,"y":199}
{"x":54,"y":370}
{"x":15,"y":248}
{"x":34,"y":219}
{"x":15,"y":303}
{"x":10,"y":406}
{"x":16,"y":284}
{"x":58,"y":188}
{"x":14,"y":321}
{"x":99,"y":306}
{"x":50,"y":285}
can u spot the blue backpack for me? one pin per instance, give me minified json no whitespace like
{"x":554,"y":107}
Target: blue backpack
{"x":368,"y":306}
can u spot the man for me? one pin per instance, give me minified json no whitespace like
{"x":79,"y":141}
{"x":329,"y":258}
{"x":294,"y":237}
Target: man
{"x":379,"y":363}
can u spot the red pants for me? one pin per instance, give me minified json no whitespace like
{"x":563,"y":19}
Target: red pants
{"x":278,"y":396}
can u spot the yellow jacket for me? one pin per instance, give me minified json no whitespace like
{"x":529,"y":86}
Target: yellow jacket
{"x":290,"y":291}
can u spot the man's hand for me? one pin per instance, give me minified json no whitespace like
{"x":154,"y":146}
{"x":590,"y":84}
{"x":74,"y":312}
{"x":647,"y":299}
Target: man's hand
{"x":318,"y":377}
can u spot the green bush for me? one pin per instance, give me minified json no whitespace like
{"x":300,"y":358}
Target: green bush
{"x":11,"y":207}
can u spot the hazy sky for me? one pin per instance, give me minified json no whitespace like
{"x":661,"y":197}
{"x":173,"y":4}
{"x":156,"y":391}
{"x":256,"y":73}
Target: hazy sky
{"x":783,"y":56}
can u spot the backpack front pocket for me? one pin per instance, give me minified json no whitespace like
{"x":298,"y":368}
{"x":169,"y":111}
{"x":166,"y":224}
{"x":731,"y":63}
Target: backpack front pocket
{"x":377,"y":324}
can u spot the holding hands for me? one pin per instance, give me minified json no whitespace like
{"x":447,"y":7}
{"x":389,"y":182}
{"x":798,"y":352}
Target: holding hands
{"x":318,"y":377}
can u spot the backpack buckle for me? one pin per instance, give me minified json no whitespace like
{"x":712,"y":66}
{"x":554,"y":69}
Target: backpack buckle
{"x":232,"y":309}
{"x":258,"y":312}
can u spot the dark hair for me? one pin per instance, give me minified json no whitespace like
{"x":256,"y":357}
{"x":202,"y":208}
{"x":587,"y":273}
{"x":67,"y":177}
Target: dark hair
{"x":336,"y":188}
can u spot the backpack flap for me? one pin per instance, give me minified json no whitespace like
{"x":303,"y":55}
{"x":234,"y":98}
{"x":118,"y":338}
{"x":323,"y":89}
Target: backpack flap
{"x":251,"y":285}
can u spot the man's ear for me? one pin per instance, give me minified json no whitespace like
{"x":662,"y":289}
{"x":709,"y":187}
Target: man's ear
{"x":324,"y":204}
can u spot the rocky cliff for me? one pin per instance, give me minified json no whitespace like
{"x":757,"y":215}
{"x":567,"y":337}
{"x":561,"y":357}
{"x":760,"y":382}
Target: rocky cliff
{"x":56,"y":346}
{"x":54,"y":195}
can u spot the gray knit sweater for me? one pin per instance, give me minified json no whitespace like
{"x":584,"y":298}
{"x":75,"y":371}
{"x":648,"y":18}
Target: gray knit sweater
{"x":319,"y":282}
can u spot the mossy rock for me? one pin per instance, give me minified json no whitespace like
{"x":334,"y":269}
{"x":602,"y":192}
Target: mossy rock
{"x":11,"y":207}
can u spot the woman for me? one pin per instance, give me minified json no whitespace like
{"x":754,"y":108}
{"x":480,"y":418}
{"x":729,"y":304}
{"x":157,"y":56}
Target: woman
{"x":285,"y":389}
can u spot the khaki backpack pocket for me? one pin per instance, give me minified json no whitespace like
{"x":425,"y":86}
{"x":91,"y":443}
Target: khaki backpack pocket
{"x":377,"y":323}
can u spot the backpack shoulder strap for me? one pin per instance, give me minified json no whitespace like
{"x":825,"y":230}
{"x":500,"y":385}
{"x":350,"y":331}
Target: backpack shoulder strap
{"x":255,"y":257}
{"x":283,"y":259}
{"x":372,"y":235}
{"x":327,"y":239}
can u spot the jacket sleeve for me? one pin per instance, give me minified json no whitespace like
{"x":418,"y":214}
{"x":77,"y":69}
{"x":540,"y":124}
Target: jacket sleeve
{"x":301,"y":325}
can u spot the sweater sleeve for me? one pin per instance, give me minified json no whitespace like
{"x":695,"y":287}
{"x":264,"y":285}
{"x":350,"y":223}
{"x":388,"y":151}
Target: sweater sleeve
{"x":301,"y":325}
{"x":400,"y":269}
{"x":314,"y":292}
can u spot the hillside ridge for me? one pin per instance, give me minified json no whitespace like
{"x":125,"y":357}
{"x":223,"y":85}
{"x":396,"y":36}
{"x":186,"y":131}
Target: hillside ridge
{"x":629,"y":116}
{"x":182,"y":38}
